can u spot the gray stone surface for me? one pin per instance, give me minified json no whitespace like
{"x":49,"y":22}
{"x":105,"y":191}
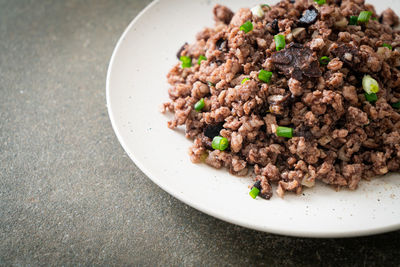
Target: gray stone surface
{"x":69,"y":195}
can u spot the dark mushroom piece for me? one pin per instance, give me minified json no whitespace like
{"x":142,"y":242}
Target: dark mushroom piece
{"x":178,"y":54}
{"x":272,"y":27}
{"x":222,"y":45}
{"x":309,"y":17}
{"x":297,"y":61}
{"x":212,"y":130}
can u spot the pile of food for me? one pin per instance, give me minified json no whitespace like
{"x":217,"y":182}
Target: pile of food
{"x":296,"y":92}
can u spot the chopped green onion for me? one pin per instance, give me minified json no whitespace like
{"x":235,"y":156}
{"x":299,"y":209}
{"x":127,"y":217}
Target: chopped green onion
{"x":199,"y":105}
{"x":265,"y":5}
{"x":210,"y":84}
{"x":371,"y":97}
{"x":324,"y":60}
{"x":244,"y":80}
{"x":186,"y":62}
{"x":364,"y":16}
{"x":201,"y":58}
{"x":220,"y":143}
{"x":353,"y":20}
{"x":388,"y":46}
{"x":257,"y":11}
{"x":265,"y":76}
{"x":396,"y":105}
{"x":320,"y":2}
{"x":370,"y":85}
{"x":284,"y":131}
{"x":247,"y":26}
{"x":374,"y":18}
{"x":279,"y":41}
{"x":254,"y":192}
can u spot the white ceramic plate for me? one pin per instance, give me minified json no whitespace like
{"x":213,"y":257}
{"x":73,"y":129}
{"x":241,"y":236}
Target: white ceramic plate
{"x":136,"y":86}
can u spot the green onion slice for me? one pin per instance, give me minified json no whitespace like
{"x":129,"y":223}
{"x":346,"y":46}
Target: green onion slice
{"x":324,"y":60}
{"x":247,"y":26}
{"x":371,"y":97}
{"x":199,"y":105}
{"x":210,"y":84}
{"x":186,"y":62}
{"x":265,"y":76}
{"x":220,"y":143}
{"x":353,"y":20}
{"x":388,"y":46}
{"x":396,"y":105}
{"x":201,"y":58}
{"x":257,"y":11}
{"x":284,"y":131}
{"x":265,"y":5}
{"x":370,"y":85}
{"x":320,"y":2}
{"x":254,"y":192}
{"x":244,"y":80}
{"x":279,"y":42}
{"x":364,"y":16}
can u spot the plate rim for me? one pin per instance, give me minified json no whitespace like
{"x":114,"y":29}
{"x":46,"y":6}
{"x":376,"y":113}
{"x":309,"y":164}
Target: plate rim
{"x":187,"y":200}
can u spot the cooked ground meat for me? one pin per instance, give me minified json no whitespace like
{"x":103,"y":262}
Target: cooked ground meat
{"x":338,"y":136}
{"x":222,"y":14}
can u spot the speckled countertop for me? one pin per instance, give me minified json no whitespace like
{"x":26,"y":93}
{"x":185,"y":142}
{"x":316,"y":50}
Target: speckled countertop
{"x":69,"y":194}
